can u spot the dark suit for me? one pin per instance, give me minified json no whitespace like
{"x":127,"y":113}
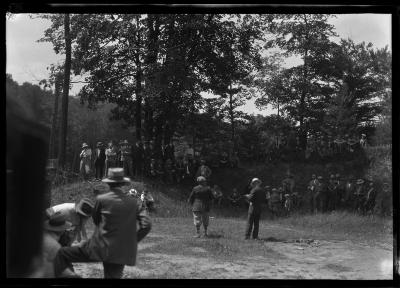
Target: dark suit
{"x":256,"y":198}
{"x":99,"y":161}
{"x":114,"y":241}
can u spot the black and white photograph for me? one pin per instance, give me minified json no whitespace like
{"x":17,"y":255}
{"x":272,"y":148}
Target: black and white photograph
{"x":199,"y":144}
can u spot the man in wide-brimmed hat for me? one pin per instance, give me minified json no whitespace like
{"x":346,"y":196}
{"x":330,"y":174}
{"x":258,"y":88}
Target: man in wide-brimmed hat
{"x":77,"y":214}
{"x":114,"y":241}
{"x":256,"y":197}
{"x":200,"y":198}
{"x":99,"y":158}
{"x":54,"y":227}
{"x":86,"y":157}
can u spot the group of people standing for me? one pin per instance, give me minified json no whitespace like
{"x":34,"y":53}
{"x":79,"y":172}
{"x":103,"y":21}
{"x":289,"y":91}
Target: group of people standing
{"x":337,"y":193}
{"x":135,"y":160}
{"x":141,"y":159}
{"x":361,"y":195}
{"x":201,"y":198}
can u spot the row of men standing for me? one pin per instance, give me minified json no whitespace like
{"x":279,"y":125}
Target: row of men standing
{"x":133,"y":159}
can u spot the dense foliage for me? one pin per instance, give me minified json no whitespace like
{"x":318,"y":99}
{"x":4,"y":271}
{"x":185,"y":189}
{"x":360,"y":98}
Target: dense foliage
{"x":152,"y":70}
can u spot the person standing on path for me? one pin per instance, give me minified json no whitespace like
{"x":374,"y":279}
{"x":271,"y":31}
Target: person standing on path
{"x":200,"y":199}
{"x":256,"y":197}
{"x":114,"y":240}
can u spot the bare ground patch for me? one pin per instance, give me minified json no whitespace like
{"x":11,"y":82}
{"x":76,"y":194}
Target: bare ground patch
{"x":283,"y":253}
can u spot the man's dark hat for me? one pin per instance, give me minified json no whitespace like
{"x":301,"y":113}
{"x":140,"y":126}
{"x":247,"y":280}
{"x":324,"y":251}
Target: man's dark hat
{"x":116,"y":175}
{"x":57,"y":223}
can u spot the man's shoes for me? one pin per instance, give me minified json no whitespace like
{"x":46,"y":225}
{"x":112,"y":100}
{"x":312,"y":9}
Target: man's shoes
{"x":197,"y":236}
{"x":246,"y":238}
{"x":256,"y":238}
{"x":205,"y":234}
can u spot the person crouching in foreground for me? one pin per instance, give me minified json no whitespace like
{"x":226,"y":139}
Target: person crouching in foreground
{"x":200,"y":199}
{"x":54,"y":227}
{"x":77,"y":214}
{"x":256,"y":197}
{"x":115,"y":238}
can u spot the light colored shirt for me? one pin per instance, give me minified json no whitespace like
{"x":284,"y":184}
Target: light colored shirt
{"x":69,"y":211}
{"x":87,"y":153}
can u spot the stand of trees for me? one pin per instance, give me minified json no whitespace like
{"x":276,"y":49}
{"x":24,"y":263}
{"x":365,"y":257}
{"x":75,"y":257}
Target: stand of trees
{"x":153,"y":68}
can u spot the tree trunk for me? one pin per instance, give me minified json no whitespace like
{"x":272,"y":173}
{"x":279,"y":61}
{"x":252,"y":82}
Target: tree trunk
{"x":153,"y":25}
{"x":64,"y":112}
{"x":52,"y":146}
{"x":232,"y":117}
{"x":138,"y":112}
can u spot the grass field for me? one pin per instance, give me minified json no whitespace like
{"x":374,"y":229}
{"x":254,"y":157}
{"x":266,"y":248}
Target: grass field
{"x":337,"y":245}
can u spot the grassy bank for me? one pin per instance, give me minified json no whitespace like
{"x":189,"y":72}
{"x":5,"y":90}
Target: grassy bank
{"x":335,"y":225}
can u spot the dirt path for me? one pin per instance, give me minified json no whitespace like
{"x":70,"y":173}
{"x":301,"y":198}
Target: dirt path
{"x":165,"y":255}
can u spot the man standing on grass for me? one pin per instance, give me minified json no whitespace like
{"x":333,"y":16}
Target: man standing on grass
{"x":114,"y":241}
{"x":200,"y":199}
{"x":255,"y":198}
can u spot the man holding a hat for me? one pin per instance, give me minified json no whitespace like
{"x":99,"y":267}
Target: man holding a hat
{"x":99,"y":160}
{"x":256,"y":197}
{"x":115,"y":238}
{"x":77,"y":214}
{"x":86,"y":157}
{"x":200,"y":199}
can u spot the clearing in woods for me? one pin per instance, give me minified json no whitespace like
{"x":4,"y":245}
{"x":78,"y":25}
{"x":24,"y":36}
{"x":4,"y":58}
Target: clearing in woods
{"x":283,"y":252}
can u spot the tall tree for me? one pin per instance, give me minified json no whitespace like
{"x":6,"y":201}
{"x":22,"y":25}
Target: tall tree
{"x":54,"y":121}
{"x":64,"y":106}
{"x":361,"y":76}
{"x":305,"y":35}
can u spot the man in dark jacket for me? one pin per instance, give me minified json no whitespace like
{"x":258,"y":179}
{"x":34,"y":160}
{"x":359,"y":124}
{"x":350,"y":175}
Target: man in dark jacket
{"x":99,"y":160}
{"x":114,"y":241}
{"x":200,"y":199}
{"x":255,"y":198}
